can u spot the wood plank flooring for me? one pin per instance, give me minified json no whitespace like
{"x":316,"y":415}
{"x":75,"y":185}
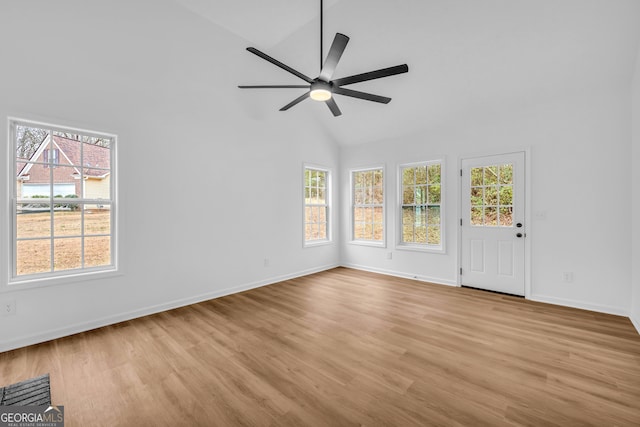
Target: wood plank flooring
{"x":347,"y":348}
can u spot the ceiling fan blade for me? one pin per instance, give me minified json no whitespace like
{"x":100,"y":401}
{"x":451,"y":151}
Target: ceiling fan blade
{"x":331,"y":103}
{"x":372,"y":75}
{"x":361,"y":95}
{"x":275,"y":87}
{"x":295,"y":101}
{"x":335,"y":52}
{"x":279,"y":64}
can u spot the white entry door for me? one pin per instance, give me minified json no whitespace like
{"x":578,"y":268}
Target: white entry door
{"x":493,"y":227}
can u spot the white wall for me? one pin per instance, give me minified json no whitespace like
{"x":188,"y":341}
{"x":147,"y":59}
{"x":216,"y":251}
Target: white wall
{"x":635,"y":196}
{"x":579,"y":146}
{"x":209,"y":184}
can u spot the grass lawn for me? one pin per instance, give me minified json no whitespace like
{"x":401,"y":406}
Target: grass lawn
{"x":34,"y":256}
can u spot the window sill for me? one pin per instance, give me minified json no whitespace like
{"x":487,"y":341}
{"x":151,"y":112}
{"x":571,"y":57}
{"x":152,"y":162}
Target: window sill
{"x":421,"y":248}
{"x":56,"y":280}
{"x":368,"y":243}
{"x":317,"y":243}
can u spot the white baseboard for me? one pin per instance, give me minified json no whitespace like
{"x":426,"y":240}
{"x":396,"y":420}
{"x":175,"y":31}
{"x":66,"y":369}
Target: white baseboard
{"x":636,"y":323}
{"x":146,"y":311}
{"x":436,"y":280}
{"x":618,"y":311}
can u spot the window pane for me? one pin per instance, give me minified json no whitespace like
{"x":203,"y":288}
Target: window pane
{"x":408,"y":195}
{"x":434,"y":193}
{"x":322,"y":215}
{"x":477,"y":177}
{"x":506,"y":216}
{"x":67,"y":222}
{"x":359,"y":196}
{"x":434,"y":174}
{"x":477,"y":197}
{"x":506,"y":195}
{"x":421,"y":195}
{"x":33,"y":256}
{"x":407,"y":233}
{"x":358,"y":179}
{"x":490,"y":175}
{"x":408,"y":215}
{"x":322,"y":179}
{"x":97,"y":221}
{"x":308,"y":231}
{"x":433,"y":235}
{"x":378,"y":216}
{"x":378,"y":230}
{"x":420,"y":215}
{"x":321,"y":196}
{"x":70,"y":149}
{"x":67,"y":254}
{"x":421,"y":234}
{"x":408,"y":177}
{"x":358,"y":230}
{"x":477,"y":216}
{"x":33,"y":220}
{"x":491,"y":196}
{"x":434,"y":215}
{"x":491,"y":215}
{"x":28,"y":140}
{"x":368,"y":231}
{"x":322,"y":231}
{"x":308,"y":214}
{"x":368,"y":178}
{"x":368,"y":215}
{"x":377,"y":177}
{"x":358,"y":214}
{"x":506,"y":174}
{"x":378,"y":196}
{"x":96,"y":251}
{"x":421,"y":175}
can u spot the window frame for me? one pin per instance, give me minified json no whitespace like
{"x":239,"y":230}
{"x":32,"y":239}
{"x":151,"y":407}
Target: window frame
{"x":327,"y":206}
{"x":51,"y":278}
{"x":421,"y":247}
{"x":352,"y":239}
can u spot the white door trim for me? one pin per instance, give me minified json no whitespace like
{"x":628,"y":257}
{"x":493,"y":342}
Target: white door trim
{"x":527,"y":212}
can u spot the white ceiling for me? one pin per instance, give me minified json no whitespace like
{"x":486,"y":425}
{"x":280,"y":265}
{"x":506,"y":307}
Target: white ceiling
{"x":465,"y":57}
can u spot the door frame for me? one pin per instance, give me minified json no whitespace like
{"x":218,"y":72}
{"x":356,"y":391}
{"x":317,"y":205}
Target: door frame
{"x":527,"y":212}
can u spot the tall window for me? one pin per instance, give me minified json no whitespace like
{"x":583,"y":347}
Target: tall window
{"x":420,"y":205}
{"x":62,"y":200}
{"x":367,"y":195}
{"x":316,"y":205}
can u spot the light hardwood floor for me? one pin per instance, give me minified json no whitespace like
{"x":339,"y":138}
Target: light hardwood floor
{"x":346,"y":347}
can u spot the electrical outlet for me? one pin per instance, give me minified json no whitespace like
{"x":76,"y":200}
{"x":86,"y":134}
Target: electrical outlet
{"x":8,"y":307}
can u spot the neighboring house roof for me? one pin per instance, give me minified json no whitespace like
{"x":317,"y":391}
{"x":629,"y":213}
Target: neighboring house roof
{"x":93,"y":156}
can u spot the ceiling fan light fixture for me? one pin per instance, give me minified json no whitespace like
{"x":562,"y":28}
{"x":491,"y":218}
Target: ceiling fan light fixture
{"x":320,"y":94}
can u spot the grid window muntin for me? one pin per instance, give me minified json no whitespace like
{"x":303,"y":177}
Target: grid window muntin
{"x":63,"y":204}
{"x":367,"y":206}
{"x":316,"y":205}
{"x":421,"y":208}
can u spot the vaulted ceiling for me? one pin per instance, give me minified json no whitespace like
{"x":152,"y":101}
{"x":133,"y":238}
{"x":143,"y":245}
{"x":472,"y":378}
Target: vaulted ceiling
{"x":465,"y":57}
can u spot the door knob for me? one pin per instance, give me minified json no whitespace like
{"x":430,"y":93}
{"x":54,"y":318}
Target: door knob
{"x":519,"y":235}
{"x":519,"y":225}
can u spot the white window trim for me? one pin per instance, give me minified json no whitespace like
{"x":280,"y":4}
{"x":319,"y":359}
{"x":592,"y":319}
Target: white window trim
{"x":352,"y":239}
{"x":421,"y":247}
{"x":56,"y":277}
{"x":329,"y":195}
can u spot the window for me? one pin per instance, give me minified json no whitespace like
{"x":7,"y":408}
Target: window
{"x":316,"y":205}
{"x":421,"y":205}
{"x":367,"y":195}
{"x":62,"y":201}
{"x":492,"y":196}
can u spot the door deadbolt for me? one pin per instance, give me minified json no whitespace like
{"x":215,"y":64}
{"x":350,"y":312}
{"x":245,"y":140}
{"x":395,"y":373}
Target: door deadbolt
{"x":519,"y":225}
{"x":519,"y":235}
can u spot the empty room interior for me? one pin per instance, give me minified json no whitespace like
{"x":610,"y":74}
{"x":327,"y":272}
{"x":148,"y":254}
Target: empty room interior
{"x":190,"y":237}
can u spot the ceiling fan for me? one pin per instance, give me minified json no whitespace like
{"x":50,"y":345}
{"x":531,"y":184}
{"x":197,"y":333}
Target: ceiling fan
{"x":322,"y":88}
